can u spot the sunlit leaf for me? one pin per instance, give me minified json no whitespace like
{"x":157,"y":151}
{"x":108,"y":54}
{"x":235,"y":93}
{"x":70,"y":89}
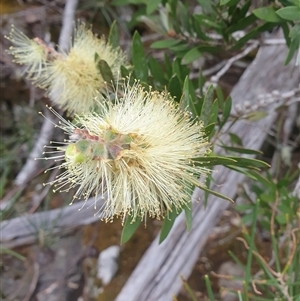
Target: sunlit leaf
{"x":267,"y":14}
{"x":291,"y":13}
{"x":191,"y":56}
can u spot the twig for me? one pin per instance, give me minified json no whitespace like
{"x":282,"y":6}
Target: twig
{"x":45,"y":135}
{"x":39,"y":198}
{"x":34,"y":281}
{"x":216,"y":78}
{"x":31,"y":165}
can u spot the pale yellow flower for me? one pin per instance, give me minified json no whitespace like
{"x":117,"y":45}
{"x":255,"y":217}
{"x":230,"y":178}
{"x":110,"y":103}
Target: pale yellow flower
{"x":28,"y":52}
{"x":72,"y":80}
{"x":137,"y":154}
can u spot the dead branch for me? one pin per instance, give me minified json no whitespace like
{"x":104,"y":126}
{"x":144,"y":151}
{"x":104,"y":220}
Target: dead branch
{"x":156,"y":277}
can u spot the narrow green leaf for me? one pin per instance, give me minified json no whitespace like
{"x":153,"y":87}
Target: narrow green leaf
{"x":156,"y":70}
{"x":214,"y":112}
{"x":113,"y":37}
{"x":291,"y":13}
{"x":230,"y":160}
{"x":190,"y":292}
{"x":257,"y":115}
{"x":208,"y":286}
{"x":138,"y":58}
{"x":242,"y":24}
{"x":168,"y":66}
{"x":229,"y":2}
{"x":175,"y":89}
{"x":207,"y":21}
{"x":267,"y":14}
{"x":213,"y":160}
{"x":235,"y":139}
{"x":106,"y":72}
{"x":129,"y":229}
{"x":124,"y":72}
{"x":207,"y":104}
{"x":188,"y":216}
{"x":164,"y":43}
{"x":186,"y":100}
{"x":167,"y":225}
{"x":253,"y":33}
{"x":217,"y":194}
{"x":242,"y":150}
{"x":191,"y":56}
{"x":294,"y":46}
{"x":223,"y":2}
{"x":152,"y":6}
{"x":249,"y":162}
{"x":209,"y":129}
{"x":226,"y":111}
{"x":12,"y":253}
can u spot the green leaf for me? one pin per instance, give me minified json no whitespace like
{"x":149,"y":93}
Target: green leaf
{"x":191,"y":56}
{"x":230,"y":161}
{"x":175,"y":89}
{"x":242,"y":150}
{"x":152,"y":6}
{"x":168,"y":66}
{"x":186,"y":101}
{"x":242,"y":24}
{"x":167,"y":225}
{"x":209,"y":129}
{"x":253,"y":33}
{"x":291,"y":13}
{"x":129,"y":229}
{"x":207,"y":21}
{"x":213,"y":160}
{"x":217,"y":194}
{"x":226,"y":111}
{"x":267,"y":14}
{"x":249,"y":162}
{"x":106,"y":72}
{"x":207,"y":104}
{"x":293,"y":48}
{"x":188,"y":215}
{"x":124,"y":72}
{"x":214,"y":112}
{"x":138,"y":58}
{"x":257,"y":115}
{"x":156,"y":70}
{"x":165,"y":43}
{"x":235,"y":139}
{"x":113,"y":37}
{"x":229,"y":2}
{"x":223,"y":2}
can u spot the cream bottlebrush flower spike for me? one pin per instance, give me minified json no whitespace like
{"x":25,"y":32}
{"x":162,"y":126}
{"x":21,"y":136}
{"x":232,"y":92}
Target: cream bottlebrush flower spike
{"x":72,"y":80}
{"x":138,"y":154}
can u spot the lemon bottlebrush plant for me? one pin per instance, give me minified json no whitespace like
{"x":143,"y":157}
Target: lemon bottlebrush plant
{"x":137,"y":154}
{"x":72,"y":80}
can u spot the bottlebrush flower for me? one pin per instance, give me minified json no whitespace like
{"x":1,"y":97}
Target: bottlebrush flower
{"x":72,"y":80}
{"x":137,"y":154}
{"x":29,"y":52}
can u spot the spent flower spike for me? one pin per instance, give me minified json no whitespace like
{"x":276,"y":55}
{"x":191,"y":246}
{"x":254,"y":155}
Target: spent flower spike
{"x":72,"y":80}
{"x":137,"y":154}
